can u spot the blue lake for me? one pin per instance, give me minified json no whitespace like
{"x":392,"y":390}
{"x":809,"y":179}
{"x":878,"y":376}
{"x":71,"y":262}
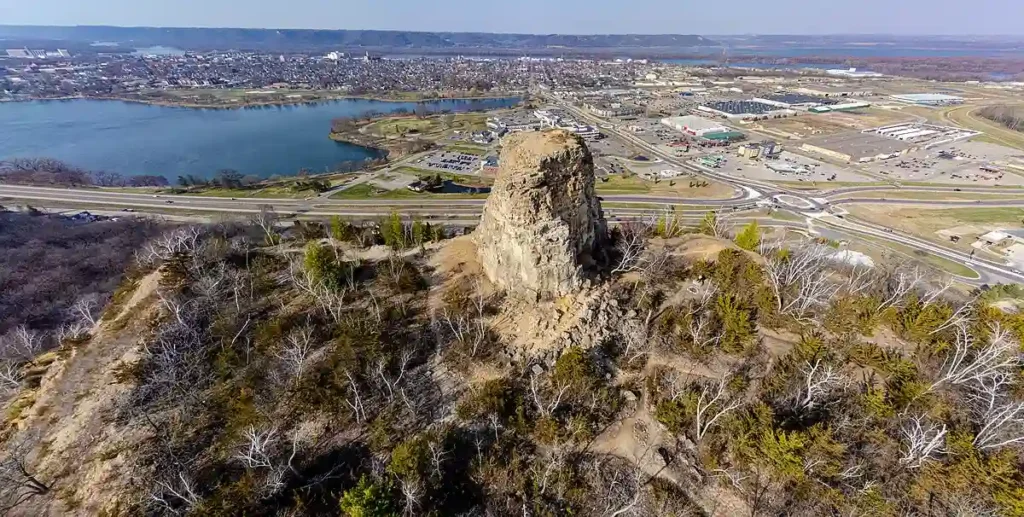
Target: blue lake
{"x":132,"y":138}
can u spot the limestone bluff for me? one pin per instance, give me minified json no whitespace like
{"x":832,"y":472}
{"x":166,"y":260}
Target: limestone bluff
{"x":542,"y":225}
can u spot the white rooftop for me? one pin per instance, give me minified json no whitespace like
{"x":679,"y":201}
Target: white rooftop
{"x":693,"y":122}
{"x":995,"y":236}
{"x":927,"y":97}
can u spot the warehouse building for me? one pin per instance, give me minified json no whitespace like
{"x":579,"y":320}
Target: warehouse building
{"x":928,"y":99}
{"x":857,"y":147}
{"x":694,"y":125}
{"x":744,"y":109}
{"x":790,"y":100}
{"x":846,"y":106}
{"x":833,"y":92}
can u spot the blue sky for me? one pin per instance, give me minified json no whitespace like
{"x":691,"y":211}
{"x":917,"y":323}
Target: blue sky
{"x":543,"y":16}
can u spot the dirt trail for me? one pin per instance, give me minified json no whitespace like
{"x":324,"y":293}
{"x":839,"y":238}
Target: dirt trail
{"x":84,"y":458}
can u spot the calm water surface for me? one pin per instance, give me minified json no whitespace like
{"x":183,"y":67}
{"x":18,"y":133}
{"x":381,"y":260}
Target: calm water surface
{"x":132,"y":138}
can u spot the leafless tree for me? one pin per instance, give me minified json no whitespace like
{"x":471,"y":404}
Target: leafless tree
{"x":968,"y":365}
{"x":177,"y":350}
{"x":619,"y":491}
{"x":716,"y":226}
{"x":177,"y":494}
{"x":85,"y":310}
{"x":179,"y":240}
{"x":10,"y":377}
{"x":469,"y":330}
{"x":438,"y":453}
{"x":548,"y":407}
{"x":632,"y":243}
{"x":554,"y":458}
{"x":898,"y":284}
{"x":967,"y":506}
{"x":636,"y":343}
{"x":1001,"y":425}
{"x":21,"y":344}
{"x":934,"y":292}
{"x":261,"y":450}
{"x":356,"y":402}
{"x":297,"y":352}
{"x":258,"y":448}
{"x":800,"y":279}
{"x":391,"y":383}
{"x":859,"y":278}
{"x":72,"y":331}
{"x":412,"y":491}
{"x":700,"y":329}
{"x":960,"y":317}
{"x":267,"y":220}
{"x":820,"y":383}
{"x":712,"y":405}
{"x":922,"y":442}
{"x":330,"y":301}
{"x":18,"y":480}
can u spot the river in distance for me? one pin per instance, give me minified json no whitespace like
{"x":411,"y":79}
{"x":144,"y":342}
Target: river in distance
{"x":133,"y":139}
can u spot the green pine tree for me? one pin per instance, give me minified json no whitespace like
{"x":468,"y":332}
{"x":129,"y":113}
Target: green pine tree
{"x":750,"y":238}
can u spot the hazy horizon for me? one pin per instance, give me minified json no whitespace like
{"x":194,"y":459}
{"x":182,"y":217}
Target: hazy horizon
{"x":385,"y":29}
{"x":739,"y":17}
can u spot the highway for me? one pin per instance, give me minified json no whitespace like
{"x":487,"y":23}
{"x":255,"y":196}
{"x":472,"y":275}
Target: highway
{"x":812,"y":206}
{"x":807,"y":204}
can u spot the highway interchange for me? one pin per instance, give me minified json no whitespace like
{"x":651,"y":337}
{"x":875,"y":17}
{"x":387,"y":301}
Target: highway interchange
{"x":814,"y":208}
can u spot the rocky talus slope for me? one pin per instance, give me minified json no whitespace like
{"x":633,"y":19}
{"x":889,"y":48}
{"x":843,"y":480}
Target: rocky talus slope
{"x":542,"y":225}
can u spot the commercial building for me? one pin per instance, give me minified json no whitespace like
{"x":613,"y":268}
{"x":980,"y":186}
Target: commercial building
{"x":832,"y":92}
{"x":20,"y":53}
{"x":846,"y":106}
{"x":613,"y":109}
{"x":513,"y":123}
{"x":789,"y":100}
{"x":852,"y":73}
{"x":559,"y":119}
{"x":489,"y":165}
{"x":694,"y":125}
{"x":924,"y":135}
{"x":928,"y":99}
{"x":761,"y":150}
{"x":722,"y":138}
{"x":856,"y":147}
{"x":744,"y":109}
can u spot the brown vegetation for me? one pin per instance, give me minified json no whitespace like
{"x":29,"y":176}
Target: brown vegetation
{"x":1010,"y":116}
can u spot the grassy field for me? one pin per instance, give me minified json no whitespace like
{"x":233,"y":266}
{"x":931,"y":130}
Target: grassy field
{"x":967,"y":223}
{"x":995,"y":132}
{"x":949,"y":196}
{"x":367,"y":191}
{"x":616,"y":184}
{"x":829,"y":185}
{"x":872,"y":246}
{"x":433,"y":126}
{"x":268,"y":192}
{"x":467,"y":149}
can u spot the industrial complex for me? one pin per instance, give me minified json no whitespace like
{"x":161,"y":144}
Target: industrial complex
{"x":928,"y":99}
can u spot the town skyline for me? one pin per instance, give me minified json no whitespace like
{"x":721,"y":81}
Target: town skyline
{"x":787,"y":17}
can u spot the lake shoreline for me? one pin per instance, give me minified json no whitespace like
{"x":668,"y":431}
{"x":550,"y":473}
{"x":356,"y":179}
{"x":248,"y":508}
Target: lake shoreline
{"x":94,"y":135}
{"x":268,"y":104}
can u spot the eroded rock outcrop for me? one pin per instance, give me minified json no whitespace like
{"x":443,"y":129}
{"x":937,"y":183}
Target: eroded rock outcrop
{"x":542,"y":225}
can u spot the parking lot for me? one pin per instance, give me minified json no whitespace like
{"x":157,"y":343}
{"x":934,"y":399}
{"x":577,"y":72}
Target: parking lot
{"x":450,"y":161}
{"x":970,"y":163}
{"x":789,"y":167}
{"x":611,"y":146}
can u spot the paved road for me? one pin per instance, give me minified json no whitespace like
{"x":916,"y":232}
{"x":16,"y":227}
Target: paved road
{"x":988,"y":271}
{"x":928,"y":202}
{"x":466,"y":211}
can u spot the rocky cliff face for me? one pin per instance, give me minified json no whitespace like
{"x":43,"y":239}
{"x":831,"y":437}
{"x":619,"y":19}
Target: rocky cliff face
{"x":542,"y":224}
